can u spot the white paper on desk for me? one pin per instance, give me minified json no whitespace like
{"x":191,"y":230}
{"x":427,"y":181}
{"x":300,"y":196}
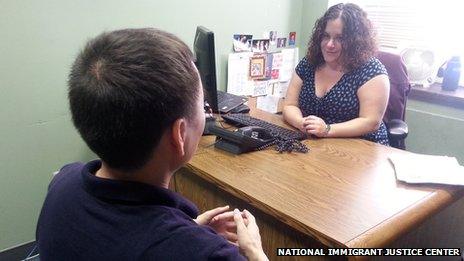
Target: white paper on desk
{"x":420,"y":168}
{"x":238,"y":82}
{"x":288,"y":63}
{"x":267,"y":103}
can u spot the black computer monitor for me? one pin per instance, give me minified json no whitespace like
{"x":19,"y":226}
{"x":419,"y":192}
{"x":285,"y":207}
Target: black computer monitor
{"x":203,"y":48}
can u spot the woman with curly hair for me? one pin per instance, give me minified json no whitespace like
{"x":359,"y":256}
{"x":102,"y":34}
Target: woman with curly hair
{"x":340,"y":89}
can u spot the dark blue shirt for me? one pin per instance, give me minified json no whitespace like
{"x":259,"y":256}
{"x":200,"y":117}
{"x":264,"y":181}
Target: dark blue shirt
{"x":85,"y":217}
{"x":341,"y":102}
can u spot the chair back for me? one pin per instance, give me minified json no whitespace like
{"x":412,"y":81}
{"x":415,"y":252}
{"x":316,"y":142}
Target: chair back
{"x":399,"y":91}
{"x":399,"y":85}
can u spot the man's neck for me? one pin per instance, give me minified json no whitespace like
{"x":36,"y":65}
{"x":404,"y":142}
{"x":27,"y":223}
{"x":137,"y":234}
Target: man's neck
{"x":148,"y":175}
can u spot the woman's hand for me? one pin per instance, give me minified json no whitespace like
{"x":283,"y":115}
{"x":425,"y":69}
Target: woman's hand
{"x":316,"y":126}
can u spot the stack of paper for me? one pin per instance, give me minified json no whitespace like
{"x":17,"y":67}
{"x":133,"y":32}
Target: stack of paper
{"x":419,"y":168}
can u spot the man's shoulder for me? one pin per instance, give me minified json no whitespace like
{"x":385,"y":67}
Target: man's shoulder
{"x":71,"y":168}
{"x":69,"y":173}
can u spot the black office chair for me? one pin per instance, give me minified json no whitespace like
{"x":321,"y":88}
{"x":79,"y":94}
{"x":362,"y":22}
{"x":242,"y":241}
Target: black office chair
{"x":399,"y":91}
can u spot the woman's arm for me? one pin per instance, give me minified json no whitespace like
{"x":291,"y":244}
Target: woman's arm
{"x":373,"y":99}
{"x":291,"y":112}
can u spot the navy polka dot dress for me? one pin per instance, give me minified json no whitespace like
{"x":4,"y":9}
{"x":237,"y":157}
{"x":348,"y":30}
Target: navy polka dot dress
{"x":341,"y":103}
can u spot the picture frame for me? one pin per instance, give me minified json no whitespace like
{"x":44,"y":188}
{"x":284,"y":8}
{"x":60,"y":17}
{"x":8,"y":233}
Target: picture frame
{"x":242,"y":42}
{"x":292,"y":39}
{"x":281,"y":42}
{"x":257,"y":67}
{"x":260,"y":45}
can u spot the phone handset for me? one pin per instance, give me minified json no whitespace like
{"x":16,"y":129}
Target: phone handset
{"x":242,"y":140}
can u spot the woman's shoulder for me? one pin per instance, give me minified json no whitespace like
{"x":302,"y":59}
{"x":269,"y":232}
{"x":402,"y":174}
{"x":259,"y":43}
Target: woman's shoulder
{"x":304,"y":67}
{"x":305,"y":62}
{"x":374,"y":64}
{"x":371,"y":67}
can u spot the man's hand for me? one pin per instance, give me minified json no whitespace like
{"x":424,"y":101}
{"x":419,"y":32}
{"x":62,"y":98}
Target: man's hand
{"x":221,"y":221}
{"x":249,"y":239}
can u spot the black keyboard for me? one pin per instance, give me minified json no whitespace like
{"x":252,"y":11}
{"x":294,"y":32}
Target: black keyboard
{"x":240,"y":120}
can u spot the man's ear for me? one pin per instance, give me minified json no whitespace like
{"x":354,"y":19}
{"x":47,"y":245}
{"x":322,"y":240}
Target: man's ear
{"x":178,"y":136}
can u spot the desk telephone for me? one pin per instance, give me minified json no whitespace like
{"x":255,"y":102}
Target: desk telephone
{"x":242,"y":140}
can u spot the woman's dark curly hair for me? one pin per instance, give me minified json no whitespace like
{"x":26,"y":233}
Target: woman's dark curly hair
{"x":358,"y":37}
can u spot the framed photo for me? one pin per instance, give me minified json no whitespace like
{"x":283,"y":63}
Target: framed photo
{"x":281,"y":42}
{"x":292,"y":39}
{"x":257,"y":67}
{"x":242,"y":42}
{"x":260,"y":45}
{"x":272,"y":37}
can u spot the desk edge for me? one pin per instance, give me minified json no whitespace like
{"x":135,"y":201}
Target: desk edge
{"x":405,"y":221}
{"x":295,"y":224}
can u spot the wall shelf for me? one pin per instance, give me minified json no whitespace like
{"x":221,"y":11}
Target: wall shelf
{"x":435,"y":94}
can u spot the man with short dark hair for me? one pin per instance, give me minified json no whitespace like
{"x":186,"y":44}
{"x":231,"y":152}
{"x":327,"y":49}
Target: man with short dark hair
{"x":137,"y":101}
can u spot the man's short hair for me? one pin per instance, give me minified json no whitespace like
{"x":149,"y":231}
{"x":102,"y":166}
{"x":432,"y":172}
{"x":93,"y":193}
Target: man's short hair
{"x":126,"y":88}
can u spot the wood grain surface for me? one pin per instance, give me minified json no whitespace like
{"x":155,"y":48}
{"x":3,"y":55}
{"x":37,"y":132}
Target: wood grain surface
{"x":343,"y":193}
{"x":274,"y":233}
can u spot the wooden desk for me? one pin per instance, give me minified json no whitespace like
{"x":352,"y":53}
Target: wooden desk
{"x":343,"y":193}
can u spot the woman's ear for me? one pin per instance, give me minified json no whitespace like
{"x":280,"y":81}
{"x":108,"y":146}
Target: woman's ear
{"x":178,"y":136}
